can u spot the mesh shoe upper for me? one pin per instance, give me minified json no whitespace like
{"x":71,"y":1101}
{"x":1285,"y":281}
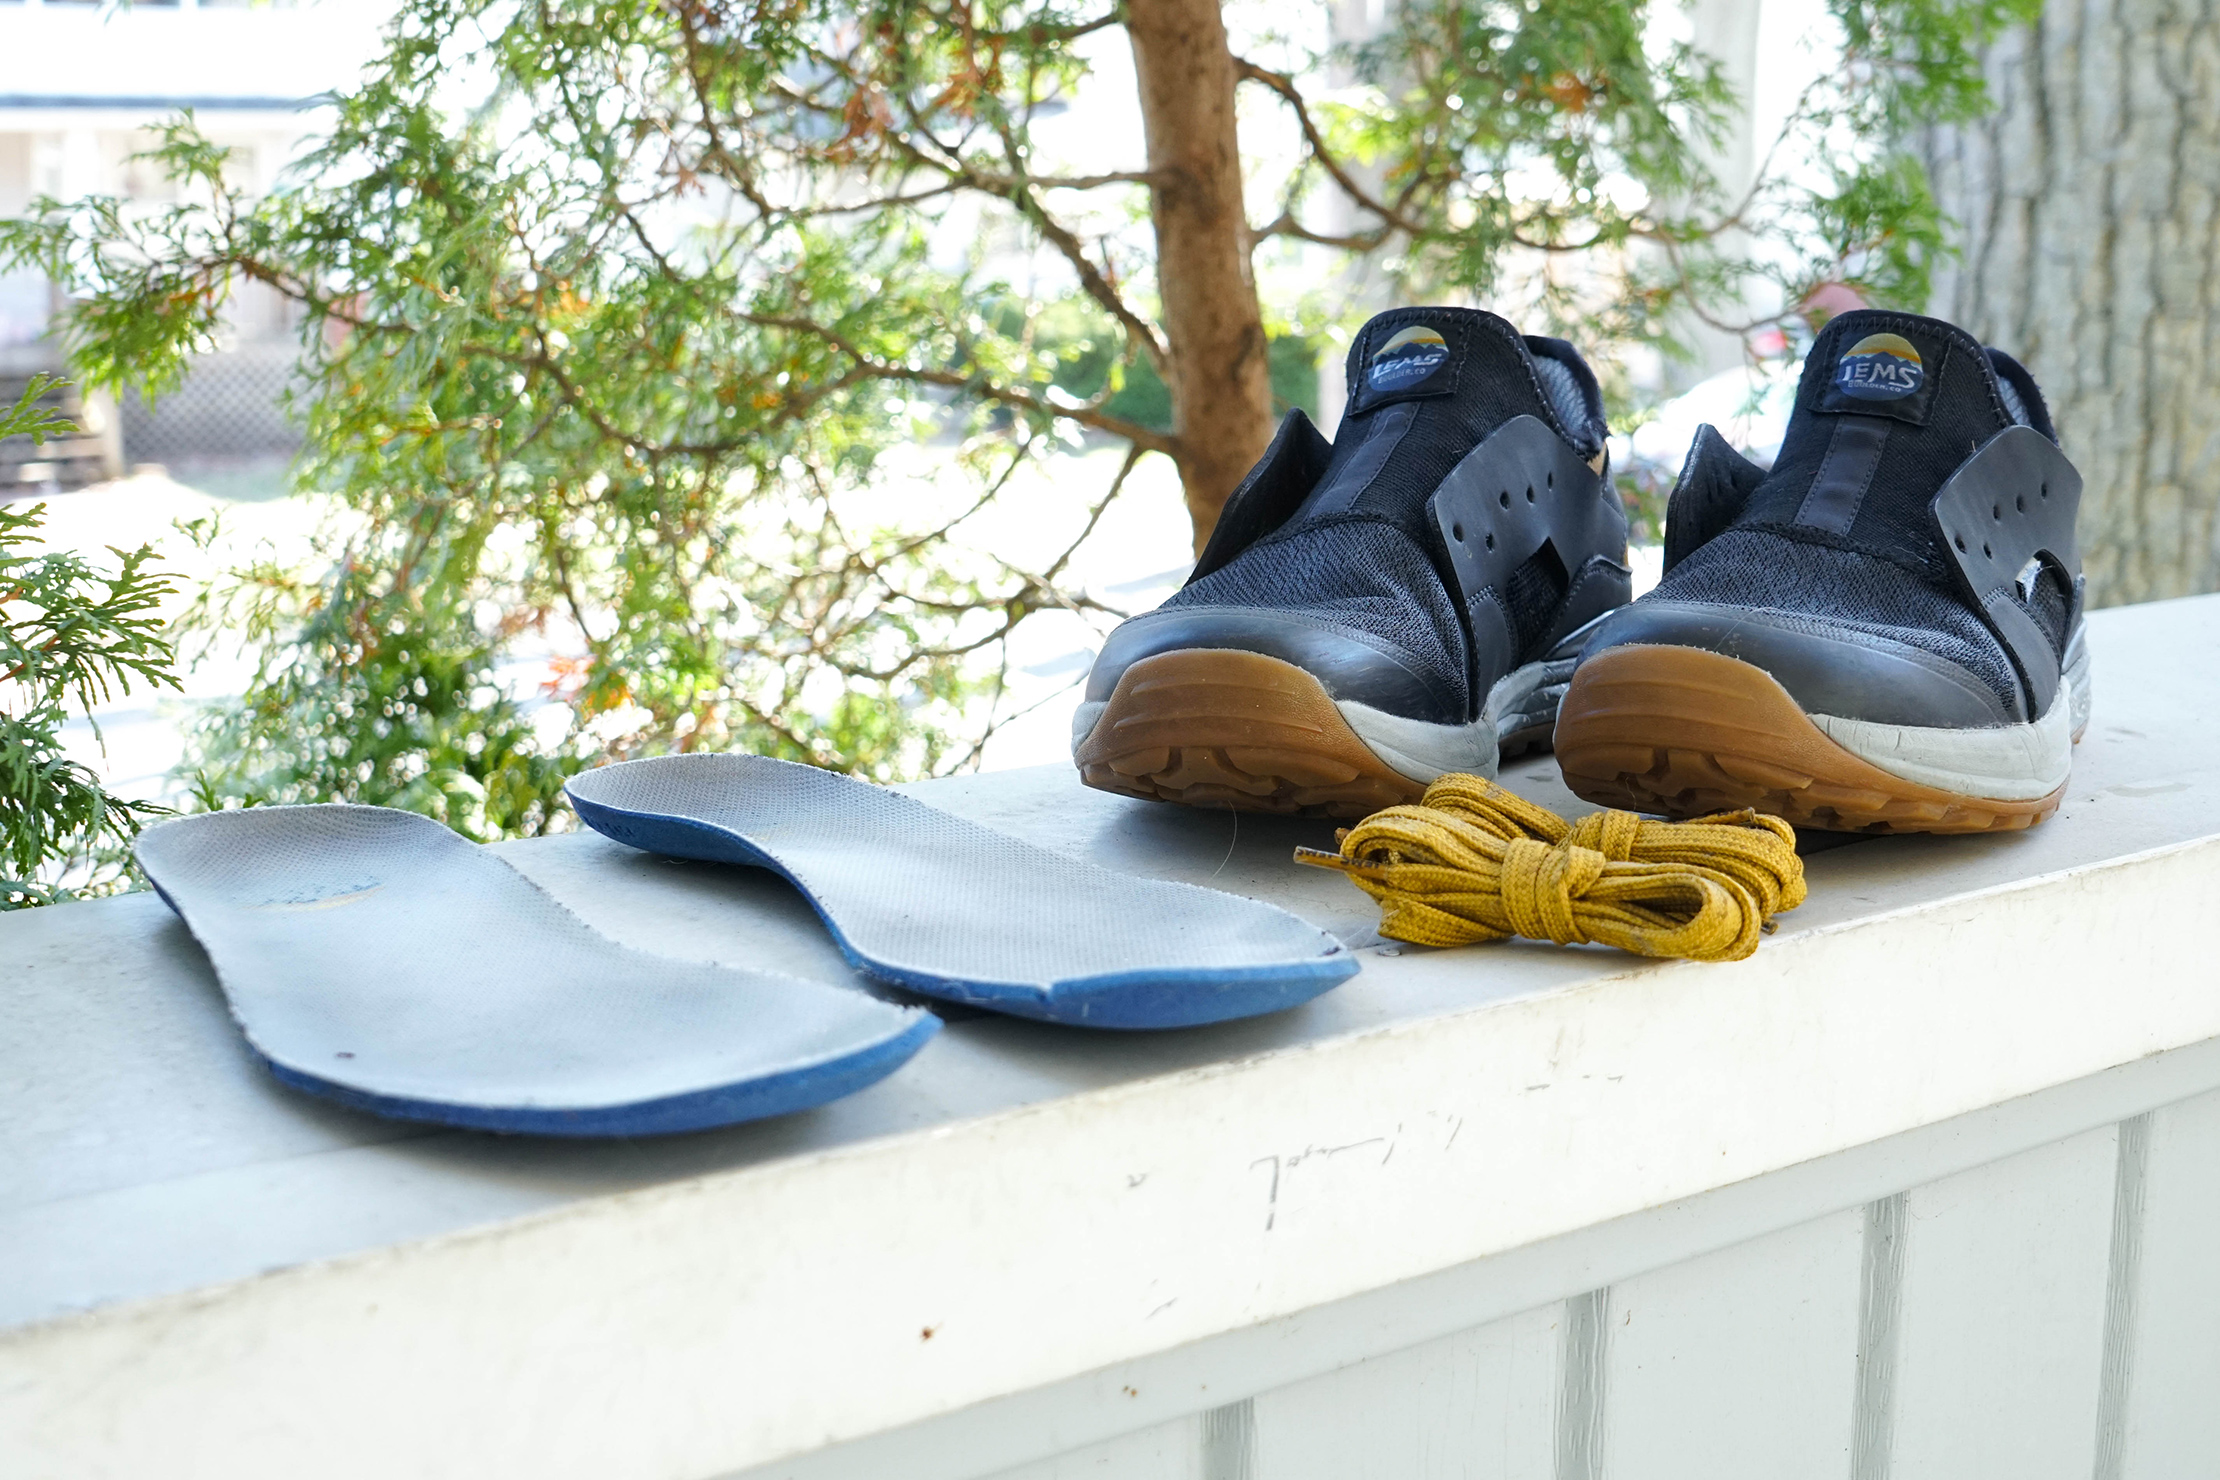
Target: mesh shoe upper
{"x":1357,"y":550}
{"x":1826,"y":589}
{"x":1840,"y":538}
{"x":1361,"y":573}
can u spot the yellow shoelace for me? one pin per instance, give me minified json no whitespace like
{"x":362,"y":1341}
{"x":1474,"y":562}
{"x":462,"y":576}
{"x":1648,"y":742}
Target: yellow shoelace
{"x":1472,"y":862}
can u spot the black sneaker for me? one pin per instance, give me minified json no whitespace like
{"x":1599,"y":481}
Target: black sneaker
{"x":1375,"y":612}
{"x":1882,"y":634}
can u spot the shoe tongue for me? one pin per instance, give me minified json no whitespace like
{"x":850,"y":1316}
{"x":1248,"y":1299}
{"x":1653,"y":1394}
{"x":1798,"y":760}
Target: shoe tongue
{"x":1426,"y":386}
{"x":1890,"y":404}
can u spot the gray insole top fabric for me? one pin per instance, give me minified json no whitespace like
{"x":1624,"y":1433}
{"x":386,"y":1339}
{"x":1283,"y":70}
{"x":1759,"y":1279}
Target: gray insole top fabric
{"x":380,"y":951}
{"x":928,"y":894}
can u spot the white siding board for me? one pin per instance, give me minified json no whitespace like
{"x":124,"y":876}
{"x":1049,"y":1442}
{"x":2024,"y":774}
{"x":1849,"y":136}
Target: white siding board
{"x":1472,"y":1406}
{"x":2173,"y":1379}
{"x":2002,"y":1318}
{"x":1167,"y":1451}
{"x":1738,"y":1364}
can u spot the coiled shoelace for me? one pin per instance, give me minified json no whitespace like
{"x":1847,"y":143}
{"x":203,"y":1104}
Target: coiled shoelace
{"x":1473,"y":862}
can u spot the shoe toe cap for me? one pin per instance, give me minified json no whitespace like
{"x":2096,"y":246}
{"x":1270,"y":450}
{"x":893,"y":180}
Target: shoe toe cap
{"x":1350,"y":665}
{"x":1836,"y":671}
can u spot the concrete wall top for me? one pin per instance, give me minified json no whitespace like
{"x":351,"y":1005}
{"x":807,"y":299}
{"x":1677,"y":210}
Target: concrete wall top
{"x":199,"y":1262}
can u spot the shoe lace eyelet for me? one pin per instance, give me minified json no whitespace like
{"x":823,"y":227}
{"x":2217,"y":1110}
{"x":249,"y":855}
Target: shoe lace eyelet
{"x":2020,"y":503}
{"x":1457,"y":533}
{"x":1491,"y":542}
{"x":1985,"y":550}
{"x":1504,"y":498}
{"x":1530,"y":493}
{"x":1996,"y":512}
{"x":1960,"y":542}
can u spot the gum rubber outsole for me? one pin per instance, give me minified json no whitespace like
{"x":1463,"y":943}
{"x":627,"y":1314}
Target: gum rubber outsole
{"x":1682,"y":731}
{"x":1216,"y":727}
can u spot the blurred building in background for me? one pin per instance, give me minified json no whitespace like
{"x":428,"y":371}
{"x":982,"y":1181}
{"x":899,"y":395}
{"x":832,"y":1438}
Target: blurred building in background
{"x":81,"y":87}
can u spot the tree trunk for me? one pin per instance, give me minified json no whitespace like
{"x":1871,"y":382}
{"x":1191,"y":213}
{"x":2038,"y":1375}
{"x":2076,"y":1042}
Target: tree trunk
{"x":1213,"y":328}
{"x":2089,"y":208}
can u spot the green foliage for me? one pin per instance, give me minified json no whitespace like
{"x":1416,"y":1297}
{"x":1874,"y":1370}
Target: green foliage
{"x":71,"y":636}
{"x":1557,"y":153}
{"x":31,"y":417}
{"x":1085,"y":349}
{"x":624,"y":321}
{"x":366,"y":700}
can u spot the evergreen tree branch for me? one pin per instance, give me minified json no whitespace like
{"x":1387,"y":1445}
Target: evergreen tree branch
{"x":1315,"y":141}
{"x":1146,"y":438}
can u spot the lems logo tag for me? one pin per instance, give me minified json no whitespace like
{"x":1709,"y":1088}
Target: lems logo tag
{"x":1407,"y":359}
{"x":1880,"y":367}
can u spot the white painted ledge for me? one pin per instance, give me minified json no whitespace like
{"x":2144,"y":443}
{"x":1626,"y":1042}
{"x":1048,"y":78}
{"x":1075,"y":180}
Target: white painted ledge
{"x":201,"y":1273}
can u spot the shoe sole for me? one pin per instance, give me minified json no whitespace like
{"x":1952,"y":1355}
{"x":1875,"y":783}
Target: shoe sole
{"x":1222,"y":727}
{"x":1217,"y":727}
{"x":1682,"y":731}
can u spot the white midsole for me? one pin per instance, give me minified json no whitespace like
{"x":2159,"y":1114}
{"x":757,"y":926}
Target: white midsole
{"x":2007,"y":763}
{"x":2077,"y":680}
{"x":1083,"y":721}
{"x":1427,"y":752}
{"x":1424,"y":752}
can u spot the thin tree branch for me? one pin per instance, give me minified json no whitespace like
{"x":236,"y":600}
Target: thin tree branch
{"x":1286,"y":88}
{"x":994,"y":182}
{"x":1117,"y":486}
{"x":1285,"y":224}
{"x":949,"y":160}
{"x":1146,"y":438}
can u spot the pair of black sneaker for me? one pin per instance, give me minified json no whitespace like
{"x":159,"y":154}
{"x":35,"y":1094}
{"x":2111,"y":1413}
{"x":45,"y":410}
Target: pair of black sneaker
{"x":1882,"y":633}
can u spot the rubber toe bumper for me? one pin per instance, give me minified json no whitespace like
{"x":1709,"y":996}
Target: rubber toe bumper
{"x":1217,"y":727}
{"x":1854,"y":675}
{"x":1342,"y":664}
{"x":1684,"y":731}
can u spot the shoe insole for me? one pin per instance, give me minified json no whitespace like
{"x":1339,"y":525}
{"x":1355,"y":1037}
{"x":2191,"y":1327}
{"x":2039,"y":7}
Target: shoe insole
{"x":374,"y":957}
{"x":950,"y":909}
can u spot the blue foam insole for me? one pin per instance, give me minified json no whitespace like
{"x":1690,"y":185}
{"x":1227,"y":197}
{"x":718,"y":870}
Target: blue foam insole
{"x":950,"y":909}
{"x":374,"y":957}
